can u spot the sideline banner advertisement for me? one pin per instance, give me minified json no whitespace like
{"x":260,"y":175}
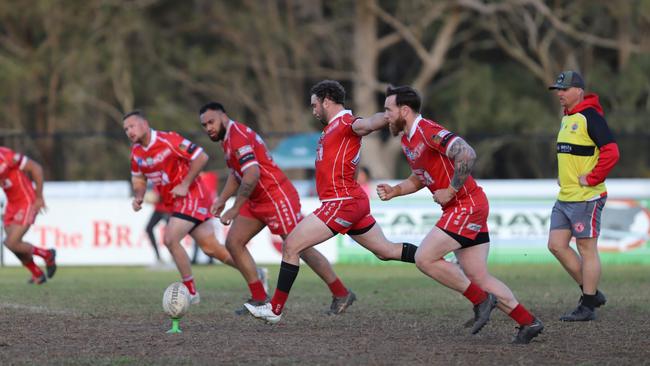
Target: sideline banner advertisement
{"x":518,"y":229}
{"x":104,"y":230}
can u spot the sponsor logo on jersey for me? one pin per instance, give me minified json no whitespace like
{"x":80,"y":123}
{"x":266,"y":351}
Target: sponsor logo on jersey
{"x":442,"y":137}
{"x":149,"y":161}
{"x":412,"y":155}
{"x":356,"y":159}
{"x":184,"y":144}
{"x":423,"y":176}
{"x":342,"y":222}
{"x":247,"y":149}
{"x":474,"y":227}
{"x":202,"y":210}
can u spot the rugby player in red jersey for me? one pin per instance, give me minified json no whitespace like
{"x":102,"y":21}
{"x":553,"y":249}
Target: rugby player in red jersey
{"x":345,"y":206}
{"x":442,"y":161}
{"x":24,"y":202}
{"x":173,"y":163}
{"x":264,"y":196}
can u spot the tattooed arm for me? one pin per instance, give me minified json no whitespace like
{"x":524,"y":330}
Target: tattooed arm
{"x":246,"y":187}
{"x":464,"y":157}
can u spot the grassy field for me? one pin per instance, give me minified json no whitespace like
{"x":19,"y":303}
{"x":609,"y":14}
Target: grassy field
{"x":113,"y":315}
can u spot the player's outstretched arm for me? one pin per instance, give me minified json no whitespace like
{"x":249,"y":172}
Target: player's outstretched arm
{"x":364,"y":126}
{"x":35,"y":172}
{"x":410,"y":185}
{"x":139,"y":184}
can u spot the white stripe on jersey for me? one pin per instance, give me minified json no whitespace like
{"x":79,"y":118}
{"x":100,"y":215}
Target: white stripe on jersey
{"x":337,"y":199}
{"x":340,"y":202}
{"x":196,"y":153}
{"x":460,"y":229}
{"x":23,"y":162}
{"x":284,"y":194}
{"x":336,"y":159}
{"x":248,"y":165}
{"x":343,"y":167}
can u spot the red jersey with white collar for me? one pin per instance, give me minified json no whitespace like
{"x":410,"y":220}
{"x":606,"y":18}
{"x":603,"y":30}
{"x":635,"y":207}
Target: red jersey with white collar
{"x":15,"y":183}
{"x":426,"y":148}
{"x":244,"y":148}
{"x":165,"y":162}
{"x":337,"y":158}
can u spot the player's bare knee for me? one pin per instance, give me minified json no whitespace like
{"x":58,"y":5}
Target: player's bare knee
{"x":290,"y":251}
{"x":234,"y":245}
{"x":421,"y":260}
{"x":169,"y":242}
{"x":555,"y":247}
{"x":11,"y":244}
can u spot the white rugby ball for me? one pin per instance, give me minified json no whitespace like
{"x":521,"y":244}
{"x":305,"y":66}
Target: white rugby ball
{"x":176,"y":300}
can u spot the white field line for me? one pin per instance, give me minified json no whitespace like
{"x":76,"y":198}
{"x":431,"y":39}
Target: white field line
{"x":38,"y":309}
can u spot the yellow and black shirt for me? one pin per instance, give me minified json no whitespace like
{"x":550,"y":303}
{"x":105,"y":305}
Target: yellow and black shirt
{"x":585,"y":146}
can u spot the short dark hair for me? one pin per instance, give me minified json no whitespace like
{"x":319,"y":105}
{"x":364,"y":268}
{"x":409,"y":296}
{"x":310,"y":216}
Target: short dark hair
{"x":212,"y":106}
{"x":329,"y":89}
{"x":405,"y":95}
{"x":135,"y":112}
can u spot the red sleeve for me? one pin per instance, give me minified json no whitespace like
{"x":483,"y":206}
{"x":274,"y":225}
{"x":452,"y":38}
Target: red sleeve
{"x":135,"y":168}
{"x":243,"y":148}
{"x":437,"y":137}
{"x":183,"y":147}
{"x":15,"y":160}
{"x":606,"y":160}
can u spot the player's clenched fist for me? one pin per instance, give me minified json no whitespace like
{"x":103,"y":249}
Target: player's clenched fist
{"x":386,"y":191}
{"x":136,"y":204}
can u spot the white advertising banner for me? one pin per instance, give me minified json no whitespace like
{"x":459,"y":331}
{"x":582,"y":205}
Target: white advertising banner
{"x":106,"y":231}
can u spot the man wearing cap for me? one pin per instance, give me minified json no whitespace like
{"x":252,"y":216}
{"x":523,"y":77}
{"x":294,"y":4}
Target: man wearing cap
{"x":586,"y":153}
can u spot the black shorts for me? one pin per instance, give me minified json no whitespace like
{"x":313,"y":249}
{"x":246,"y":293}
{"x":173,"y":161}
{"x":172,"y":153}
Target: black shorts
{"x":363,"y":230}
{"x":191,"y":219}
{"x":465,"y":242}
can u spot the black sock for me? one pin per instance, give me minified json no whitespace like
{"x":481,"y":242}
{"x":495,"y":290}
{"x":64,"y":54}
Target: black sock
{"x":408,"y":252}
{"x":288,"y":274}
{"x":589,"y":301}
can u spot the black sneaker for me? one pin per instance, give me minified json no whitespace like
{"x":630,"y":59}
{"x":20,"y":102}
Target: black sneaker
{"x":37,"y":280}
{"x":482,"y":312}
{"x":339,"y":304}
{"x":526,"y":333}
{"x":50,"y":264}
{"x":244,"y":311}
{"x":579,"y":314}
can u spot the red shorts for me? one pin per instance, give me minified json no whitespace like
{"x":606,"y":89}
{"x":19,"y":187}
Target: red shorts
{"x":345,"y":215}
{"x":20,"y":213}
{"x":466,"y":221}
{"x":281,"y":215}
{"x":193,"y":207}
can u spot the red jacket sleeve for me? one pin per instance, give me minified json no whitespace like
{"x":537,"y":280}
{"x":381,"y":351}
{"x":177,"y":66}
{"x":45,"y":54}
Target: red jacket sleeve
{"x":606,"y":160}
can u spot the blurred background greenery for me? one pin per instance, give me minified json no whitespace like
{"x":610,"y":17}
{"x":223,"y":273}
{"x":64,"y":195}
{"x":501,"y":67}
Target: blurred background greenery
{"x":70,"y":69}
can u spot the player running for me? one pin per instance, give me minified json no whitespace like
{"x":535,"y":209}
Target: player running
{"x":345,"y":206}
{"x":264,"y":196}
{"x":24,"y":202}
{"x":442,"y":162}
{"x":173,"y":164}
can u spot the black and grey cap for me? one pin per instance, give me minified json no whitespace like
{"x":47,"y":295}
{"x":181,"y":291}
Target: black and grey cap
{"x":568,"y":79}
